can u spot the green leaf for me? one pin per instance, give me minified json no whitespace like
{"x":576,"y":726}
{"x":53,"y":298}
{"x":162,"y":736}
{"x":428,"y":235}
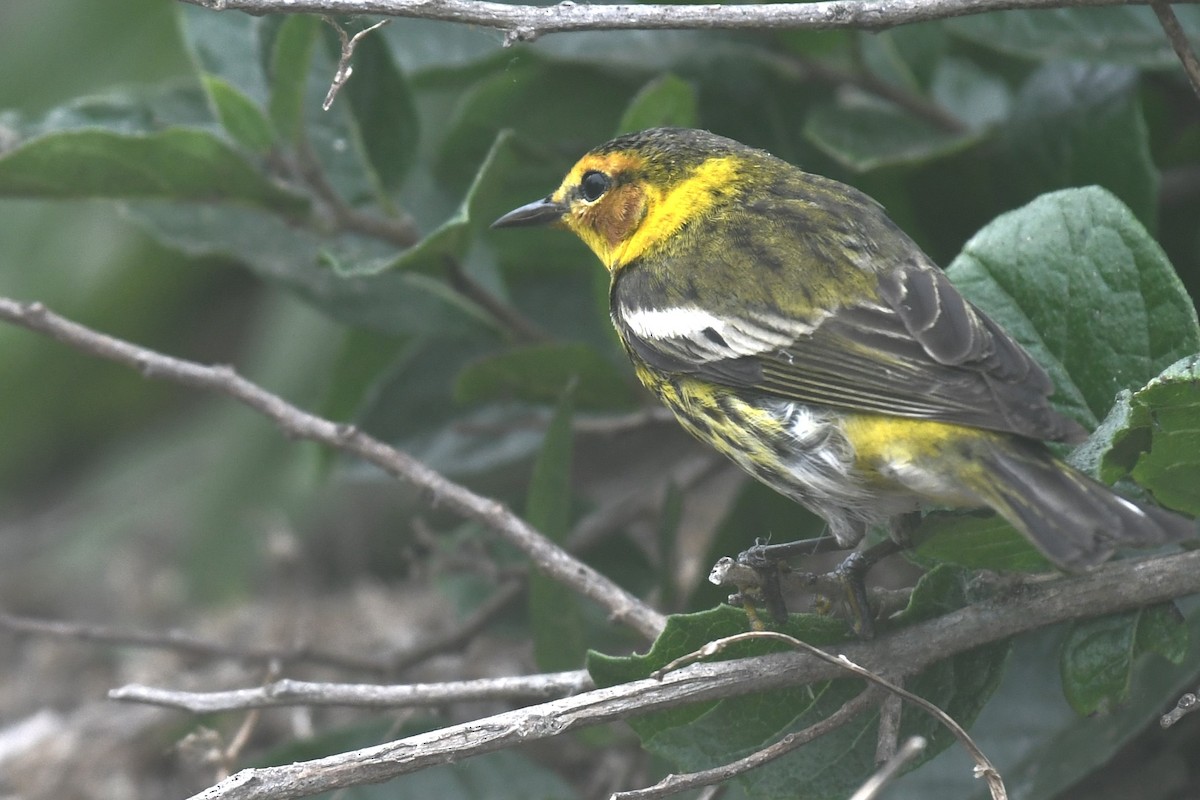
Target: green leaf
{"x":1078,"y":281}
{"x":865,"y":134}
{"x":225,"y":50}
{"x":174,"y":164}
{"x":297,"y":258}
{"x":538,"y":374}
{"x":1126,"y":35}
{"x":1099,"y":655}
{"x":905,"y":56}
{"x":706,"y":734}
{"x":515,"y":99}
{"x":960,"y":685}
{"x":148,"y":112}
{"x":1162,"y":629}
{"x":245,"y":122}
{"x":488,"y":196}
{"x":291,"y":54}
{"x":362,"y":358}
{"x":384,"y":114}
{"x":1041,"y":746}
{"x":226,"y":46}
{"x":1077,"y":124}
{"x":975,"y":542}
{"x":667,"y":538}
{"x":553,"y":608}
{"x":408,"y":404}
{"x":968,"y":92}
{"x":1155,"y":437}
{"x":686,"y":633}
{"x":668,"y":100}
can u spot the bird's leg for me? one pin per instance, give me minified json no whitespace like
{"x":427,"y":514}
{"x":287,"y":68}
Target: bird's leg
{"x":762,"y":553}
{"x":851,"y":575}
{"x":902,"y":527}
{"x":765,"y":560}
{"x":846,"y":581}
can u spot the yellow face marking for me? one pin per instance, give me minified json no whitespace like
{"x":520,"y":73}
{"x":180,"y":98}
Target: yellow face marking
{"x":668,"y":211}
{"x":634,"y":218}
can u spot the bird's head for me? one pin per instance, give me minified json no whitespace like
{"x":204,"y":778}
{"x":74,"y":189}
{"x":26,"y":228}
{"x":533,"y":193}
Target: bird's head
{"x":627,"y":198}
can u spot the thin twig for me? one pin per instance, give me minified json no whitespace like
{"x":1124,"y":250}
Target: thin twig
{"x":398,"y":230}
{"x":288,"y":692}
{"x":1107,"y":589}
{"x":1188,"y":703}
{"x":912,"y":747}
{"x":546,"y":556}
{"x":673,"y":784}
{"x":1178,"y":39}
{"x":871,"y":83}
{"x":625,"y":509}
{"x":188,"y":644}
{"x":528,"y":22}
{"x":510,"y":319}
{"x":344,"y":68}
{"x":983,"y":766}
{"x":608,"y":425}
{"x":436,"y":642}
{"x":457,"y":635}
{"x":888,"y":738}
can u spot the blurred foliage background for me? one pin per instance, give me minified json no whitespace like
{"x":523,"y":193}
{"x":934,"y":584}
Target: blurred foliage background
{"x":167,"y":176}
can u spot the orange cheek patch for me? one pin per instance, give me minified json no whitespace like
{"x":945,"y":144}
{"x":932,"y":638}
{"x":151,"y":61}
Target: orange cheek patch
{"x":618,"y":214}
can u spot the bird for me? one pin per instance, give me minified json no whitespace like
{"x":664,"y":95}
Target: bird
{"x":789,"y":323}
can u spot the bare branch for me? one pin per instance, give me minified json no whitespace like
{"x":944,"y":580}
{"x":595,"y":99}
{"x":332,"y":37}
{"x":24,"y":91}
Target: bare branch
{"x":1187,"y":56}
{"x":983,"y":766}
{"x":435,"y":642}
{"x":546,"y":556}
{"x":525,"y":23}
{"x":458,"y":635}
{"x":888,"y":738}
{"x":1110,"y":588}
{"x":913,"y":746}
{"x":187,"y":643}
{"x":1188,"y":703}
{"x":360,"y":695}
{"x":344,"y":68}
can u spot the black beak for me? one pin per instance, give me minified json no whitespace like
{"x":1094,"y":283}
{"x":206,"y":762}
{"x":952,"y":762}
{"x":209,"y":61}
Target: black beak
{"x":539,"y":212}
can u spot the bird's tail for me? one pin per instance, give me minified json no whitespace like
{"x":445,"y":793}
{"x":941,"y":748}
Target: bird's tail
{"x":1075,"y":521}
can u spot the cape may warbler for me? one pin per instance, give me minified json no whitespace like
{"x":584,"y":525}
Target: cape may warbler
{"x":790,"y":324}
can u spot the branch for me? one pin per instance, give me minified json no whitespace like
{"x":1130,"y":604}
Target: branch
{"x":913,"y":746}
{"x":1178,"y":39}
{"x":1108,"y":589}
{"x":188,"y":644}
{"x":871,"y":83}
{"x":983,"y":766}
{"x":546,"y":556}
{"x":344,"y":67}
{"x":1188,"y":703}
{"x":398,"y":230}
{"x":526,"y":23}
{"x":360,"y":695}
{"x":673,"y":784}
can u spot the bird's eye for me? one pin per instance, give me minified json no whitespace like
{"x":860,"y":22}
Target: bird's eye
{"x":593,"y":185}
